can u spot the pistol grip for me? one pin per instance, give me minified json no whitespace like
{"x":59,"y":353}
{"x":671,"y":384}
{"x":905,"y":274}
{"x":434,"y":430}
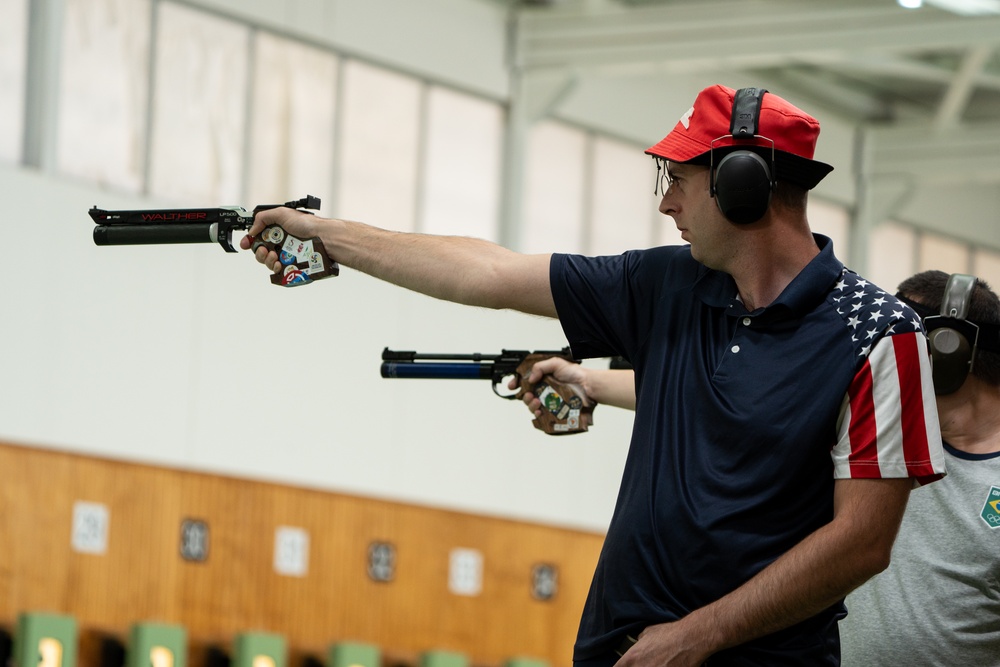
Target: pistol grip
{"x":564,"y":412}
{"x":303,"y":260}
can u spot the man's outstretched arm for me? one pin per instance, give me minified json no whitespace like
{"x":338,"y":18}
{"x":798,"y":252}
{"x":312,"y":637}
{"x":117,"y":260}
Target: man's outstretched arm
{"x":454,"y":268}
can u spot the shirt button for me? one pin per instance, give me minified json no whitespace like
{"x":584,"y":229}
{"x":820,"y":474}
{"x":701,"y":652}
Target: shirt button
{"x":746,"y":321}
{"x":735,"y":348}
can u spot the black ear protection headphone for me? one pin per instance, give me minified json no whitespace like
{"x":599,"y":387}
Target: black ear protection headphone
{"x":953,"y":339}
{"x":743,"y":181}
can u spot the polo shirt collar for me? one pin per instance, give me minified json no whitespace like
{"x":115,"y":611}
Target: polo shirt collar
{"x":718,"y":289}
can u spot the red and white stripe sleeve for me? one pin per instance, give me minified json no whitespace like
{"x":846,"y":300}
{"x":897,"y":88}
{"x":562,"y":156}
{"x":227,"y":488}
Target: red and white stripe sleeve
{"x":888,"y":425}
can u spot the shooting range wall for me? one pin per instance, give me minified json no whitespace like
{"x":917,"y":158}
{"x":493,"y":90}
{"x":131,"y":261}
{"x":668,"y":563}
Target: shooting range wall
{"x":188,"y":357}
{"x":143,"y":577}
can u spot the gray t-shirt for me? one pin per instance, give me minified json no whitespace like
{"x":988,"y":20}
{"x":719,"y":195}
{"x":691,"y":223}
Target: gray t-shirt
{"x":938,"y":603}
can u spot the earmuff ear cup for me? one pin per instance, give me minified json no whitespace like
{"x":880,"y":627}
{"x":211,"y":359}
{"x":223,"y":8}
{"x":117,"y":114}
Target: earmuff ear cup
{"x":951,"y":354}
{"x":742,"y":184}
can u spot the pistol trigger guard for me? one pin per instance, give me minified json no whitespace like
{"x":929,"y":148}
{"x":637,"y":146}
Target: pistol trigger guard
{"x":509,"y":397}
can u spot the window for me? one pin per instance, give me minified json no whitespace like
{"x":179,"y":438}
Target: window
{"x":291,"y":142}
{"x":379,"y":142}
{"x":833,"y":221}
{"x":622,"y":198}
{"x":891,"y":253}
{"x":462,"y":166}
{"x":986,"y":265}
{"x":198,"y":108}
{"x":13,"y":61}
{"x":104,"y":83}
{"x":554,"y":174}
{"x":943,"y":254}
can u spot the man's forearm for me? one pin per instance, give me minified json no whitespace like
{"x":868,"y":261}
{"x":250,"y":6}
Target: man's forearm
{"x":816,"y":573}
{"x":611,"y":387}
{"x":454,"y":268}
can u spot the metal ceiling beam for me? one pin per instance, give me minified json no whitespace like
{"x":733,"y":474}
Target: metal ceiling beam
{"x":831,"y":95}
{"x":966,"y":154}
{"x":738,"y":34}
{"x":957,"y":97}
{"x":895,"y":66}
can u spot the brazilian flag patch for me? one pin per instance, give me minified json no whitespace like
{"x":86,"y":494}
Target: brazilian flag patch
{"x":991,"y":510}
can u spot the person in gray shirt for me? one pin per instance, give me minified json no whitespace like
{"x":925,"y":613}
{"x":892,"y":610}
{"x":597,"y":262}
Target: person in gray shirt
{"x":938,"y":602}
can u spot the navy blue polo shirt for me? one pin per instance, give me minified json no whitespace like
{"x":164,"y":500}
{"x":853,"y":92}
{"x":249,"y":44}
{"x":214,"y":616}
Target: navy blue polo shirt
{"x":729,"y":465}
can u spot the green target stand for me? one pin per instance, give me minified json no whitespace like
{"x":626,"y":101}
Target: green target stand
{"x":354,"y":654}
{"x":45,"y":640}
{"x":444,"y":659}
{"x":156,"y":645}
{"x":260,"y":649}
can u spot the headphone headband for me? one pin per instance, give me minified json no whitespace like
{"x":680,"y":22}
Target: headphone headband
{"x":742,"y":181}
{"x":746,"y":113}
{"x":957,"y":295}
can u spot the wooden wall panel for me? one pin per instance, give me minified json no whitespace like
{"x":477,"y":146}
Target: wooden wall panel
{"x":142,"y":576}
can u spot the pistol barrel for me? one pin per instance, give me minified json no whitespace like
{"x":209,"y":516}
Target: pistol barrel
{"x":154,"y":234}
{"x":437,"y":370}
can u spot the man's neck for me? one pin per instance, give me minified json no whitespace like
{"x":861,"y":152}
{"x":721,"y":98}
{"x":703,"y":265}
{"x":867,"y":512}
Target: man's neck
{"x":768,"y":269}
{"x":970,"y":418}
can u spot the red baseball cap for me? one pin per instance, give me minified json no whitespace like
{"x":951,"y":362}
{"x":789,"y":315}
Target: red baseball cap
{"x":793,"y":131}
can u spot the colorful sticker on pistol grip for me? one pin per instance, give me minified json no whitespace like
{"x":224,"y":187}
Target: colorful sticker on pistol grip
{"x":297,"y":247}
{"x":274,"y":234}
{"x":304,"y":249}
{"x":294,"y":276}
{"x":573,"y":421}
{"x":550,"y":399}
{"x":316,"y":264}
{"x":286,"y":258}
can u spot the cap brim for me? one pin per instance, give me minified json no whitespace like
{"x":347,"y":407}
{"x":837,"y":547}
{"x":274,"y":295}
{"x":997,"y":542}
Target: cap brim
{"x":795,"y":169}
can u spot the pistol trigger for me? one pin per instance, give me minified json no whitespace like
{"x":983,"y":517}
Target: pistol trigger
{"x":225,"y":237}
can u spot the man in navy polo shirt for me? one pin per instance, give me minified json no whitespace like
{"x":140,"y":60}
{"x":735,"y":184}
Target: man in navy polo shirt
{"x":784,"y":404}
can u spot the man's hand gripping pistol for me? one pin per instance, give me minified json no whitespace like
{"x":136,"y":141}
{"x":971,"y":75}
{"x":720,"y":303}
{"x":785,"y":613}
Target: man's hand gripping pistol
{"x":303,"y":260}
{"x":563,"y":412}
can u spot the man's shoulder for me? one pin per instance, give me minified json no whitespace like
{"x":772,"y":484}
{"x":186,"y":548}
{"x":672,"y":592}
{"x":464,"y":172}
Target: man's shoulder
{"x":869,"y":312}
{"x":654,"y":261}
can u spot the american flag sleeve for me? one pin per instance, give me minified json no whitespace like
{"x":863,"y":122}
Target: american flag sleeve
{"x":888,"y":426}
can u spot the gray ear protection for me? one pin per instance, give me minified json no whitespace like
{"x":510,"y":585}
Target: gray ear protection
{"x":953,"y":339}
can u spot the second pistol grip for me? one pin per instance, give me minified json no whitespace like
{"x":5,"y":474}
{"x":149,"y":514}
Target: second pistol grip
{"x":303,"y":260}
{"x":564,"y":412}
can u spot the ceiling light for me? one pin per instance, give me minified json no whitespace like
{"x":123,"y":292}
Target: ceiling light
{"x":910,"y":4}
{"x":968,"y":7}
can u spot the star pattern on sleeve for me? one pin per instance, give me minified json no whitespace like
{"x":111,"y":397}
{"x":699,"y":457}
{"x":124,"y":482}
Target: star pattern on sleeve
{"x":870,"y":312}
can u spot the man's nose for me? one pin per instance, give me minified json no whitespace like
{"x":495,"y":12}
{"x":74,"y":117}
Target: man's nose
{"x":667,"y":205}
